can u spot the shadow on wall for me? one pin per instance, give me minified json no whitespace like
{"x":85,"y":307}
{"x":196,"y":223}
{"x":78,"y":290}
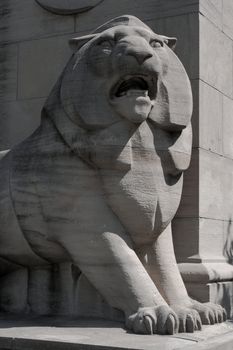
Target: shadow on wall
{"x":226,"y":288}
{"x":228,"y":246}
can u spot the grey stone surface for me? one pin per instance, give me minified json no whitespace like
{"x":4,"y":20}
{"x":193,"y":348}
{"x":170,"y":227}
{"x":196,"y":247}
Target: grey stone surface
{"x":186,"y":228}
{"x":189,"y":205}
{"x":18,"y":120}
{"x":188,"y":39}
{"x":216,"y":57}
{"x":37,"y":71}
{"x":14,"y":291}
{"x":211,"y":124}
{"x":227,"y":12}
{"x":217,"y":292}
{"x":30,"y":21}
{"x":213,"y":10}
{"x":215,"y":181}
{"x":212,"y":233}
{"x":195,"y":116}
{"x":8,"y":72}
{"x":62,"y":7}
{"x":222,"y":292}
{"x":228,"y":240}
{"x":211,"y":230}
{"x":148,"y":10}
{"x":53,"y":334}
{"x":227,"y":127}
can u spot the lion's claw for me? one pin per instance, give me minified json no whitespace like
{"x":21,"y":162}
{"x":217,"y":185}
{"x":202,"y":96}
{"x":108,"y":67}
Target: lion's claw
{"x":171,"y":325}
{"x":189,"y":319}
{"x":210,"y":313}
{"x":151,"y":320}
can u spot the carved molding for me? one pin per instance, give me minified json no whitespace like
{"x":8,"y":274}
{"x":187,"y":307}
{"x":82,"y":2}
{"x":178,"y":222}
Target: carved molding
{"x":68,"y":7}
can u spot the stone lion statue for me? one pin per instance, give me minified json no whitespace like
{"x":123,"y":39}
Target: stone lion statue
{"x":98,"y":183}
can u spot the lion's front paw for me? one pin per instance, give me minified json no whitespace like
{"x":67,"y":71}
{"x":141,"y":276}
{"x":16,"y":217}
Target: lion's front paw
{"x":210,"y":313}
{"x":149,"y":320}
{"x":189,"y":319}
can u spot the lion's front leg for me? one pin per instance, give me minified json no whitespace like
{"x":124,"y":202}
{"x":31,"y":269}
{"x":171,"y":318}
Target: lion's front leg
{"x":112,"y":266}
{"x":160,"y":262}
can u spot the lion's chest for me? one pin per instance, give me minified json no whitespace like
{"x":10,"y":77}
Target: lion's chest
{"x":133,"y":196}
{"x":133,"y":193}
{"x":140,"y":196}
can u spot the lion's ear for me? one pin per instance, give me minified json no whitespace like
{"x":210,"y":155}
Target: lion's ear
{"x":77,"y":43}
{"x":171,"y":42}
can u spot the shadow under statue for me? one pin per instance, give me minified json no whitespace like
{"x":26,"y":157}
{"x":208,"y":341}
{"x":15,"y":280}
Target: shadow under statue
{"x":98,"y":183}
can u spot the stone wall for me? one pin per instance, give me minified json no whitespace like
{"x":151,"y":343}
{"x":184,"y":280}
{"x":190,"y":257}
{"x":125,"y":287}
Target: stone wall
{"x":213,"y":145}
{"x":211,"y":239}
{"x":34,"y":49}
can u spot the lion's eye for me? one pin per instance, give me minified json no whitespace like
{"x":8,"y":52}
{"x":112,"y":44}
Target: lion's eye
{"x":155,"y":44}
{"x":106,"y":47}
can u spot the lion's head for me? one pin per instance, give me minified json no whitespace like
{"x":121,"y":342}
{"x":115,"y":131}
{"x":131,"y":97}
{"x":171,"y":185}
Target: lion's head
{"x":125,"y":69}
{"x":124,"y":72}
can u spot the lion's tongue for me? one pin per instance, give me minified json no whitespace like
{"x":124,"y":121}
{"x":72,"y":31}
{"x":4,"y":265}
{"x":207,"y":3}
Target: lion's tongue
{"x":134,"y":106}
{"x":136,"y":96}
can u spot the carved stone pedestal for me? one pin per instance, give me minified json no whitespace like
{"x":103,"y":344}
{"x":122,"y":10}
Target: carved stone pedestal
{"x":68,"y":334}
{"x":210,"y":282}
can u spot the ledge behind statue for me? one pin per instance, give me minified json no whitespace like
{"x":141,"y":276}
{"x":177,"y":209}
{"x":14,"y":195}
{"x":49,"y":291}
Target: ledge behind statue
{"x":100,"y":180}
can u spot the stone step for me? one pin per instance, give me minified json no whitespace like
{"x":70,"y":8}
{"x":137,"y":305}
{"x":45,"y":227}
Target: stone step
{"x":42,"y":333}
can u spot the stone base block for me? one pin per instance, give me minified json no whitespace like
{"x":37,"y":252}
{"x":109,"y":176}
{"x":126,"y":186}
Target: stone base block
{"x":210,"y":282}
{"x":69,"y":334}
{"x":218,"y":292}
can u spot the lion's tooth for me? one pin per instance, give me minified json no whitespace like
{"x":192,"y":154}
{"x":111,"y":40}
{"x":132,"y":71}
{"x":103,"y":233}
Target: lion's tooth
{"x":134,"y":92}
{"x":122,"y":94}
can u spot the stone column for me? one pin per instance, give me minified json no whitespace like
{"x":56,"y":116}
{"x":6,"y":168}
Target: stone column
{"x":203,"y":231}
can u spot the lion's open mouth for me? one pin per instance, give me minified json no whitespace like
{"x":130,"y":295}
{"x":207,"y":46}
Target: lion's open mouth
{"x":134,"y":86}
{"x":133,"y":97}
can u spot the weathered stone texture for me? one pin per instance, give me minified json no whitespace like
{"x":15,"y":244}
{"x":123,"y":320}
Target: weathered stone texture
{"x":25,"y":20}
{"x":210,"y":123}
{"x":213,"y":127}
{"x":216,"y":180}
{"x":227,"y":13}
{"x":148,"y":10}
{"x":189,"y":205}
{"x":186,"y":229}
{"x":215,"y":57}
{"x":181,"y":27}
{"x":227,"y":136}
{"x":211,"y":231}
{"x":217,"y":292}
{"x":8,"y":72}
{"x":212,"y":9}
{"x":40,"y":63}
{"x":18,"y":120}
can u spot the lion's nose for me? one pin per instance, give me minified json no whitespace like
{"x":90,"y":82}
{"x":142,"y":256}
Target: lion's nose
{"x":140,"y":55}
